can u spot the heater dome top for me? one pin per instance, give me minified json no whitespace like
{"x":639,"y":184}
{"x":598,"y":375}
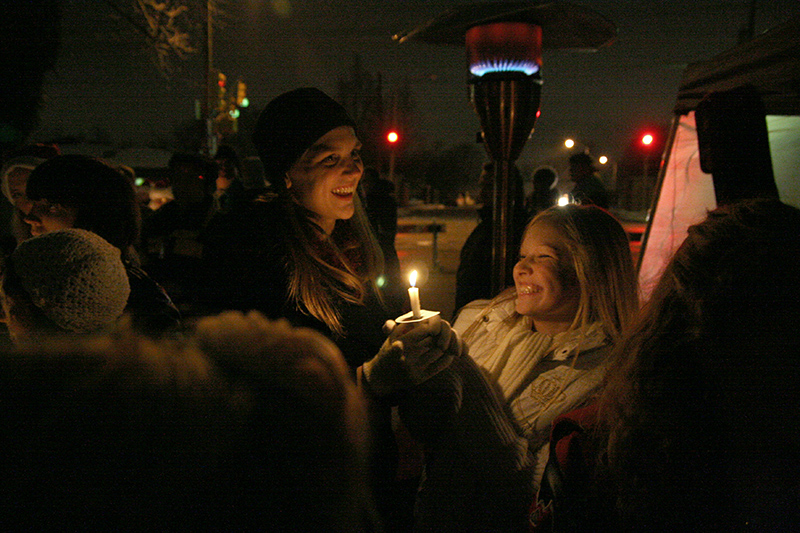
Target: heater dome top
{"x":564,"y":25}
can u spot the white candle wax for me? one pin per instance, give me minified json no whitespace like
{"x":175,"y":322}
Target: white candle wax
{"x":413,"y":296}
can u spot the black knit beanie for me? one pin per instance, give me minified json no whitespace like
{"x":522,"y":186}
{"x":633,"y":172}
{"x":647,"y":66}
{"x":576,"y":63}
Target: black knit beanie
{"x":292,"y":123}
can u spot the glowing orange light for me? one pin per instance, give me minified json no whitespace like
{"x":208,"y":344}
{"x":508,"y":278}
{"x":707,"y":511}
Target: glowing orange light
{"x":392,"y":137}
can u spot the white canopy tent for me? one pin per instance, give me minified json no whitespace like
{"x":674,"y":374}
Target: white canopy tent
{"x":771,"y":64}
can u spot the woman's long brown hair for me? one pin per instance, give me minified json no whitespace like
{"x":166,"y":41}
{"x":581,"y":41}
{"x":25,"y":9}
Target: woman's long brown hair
{"x":344,"y":265}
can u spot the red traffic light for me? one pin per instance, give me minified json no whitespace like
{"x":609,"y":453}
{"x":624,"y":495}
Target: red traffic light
{"x":647,"y":139}
{"x":392,"y":137}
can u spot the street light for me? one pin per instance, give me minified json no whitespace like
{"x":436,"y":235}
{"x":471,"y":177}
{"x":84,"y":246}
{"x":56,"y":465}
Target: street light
{"x":569,"y":143}
{"x":504,"y":42}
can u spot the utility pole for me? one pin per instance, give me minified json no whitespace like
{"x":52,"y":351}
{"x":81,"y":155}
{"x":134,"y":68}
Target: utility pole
{"x":209,"y":144}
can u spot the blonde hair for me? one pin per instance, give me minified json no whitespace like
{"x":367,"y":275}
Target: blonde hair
{"x":345,"y":265}
{"x":601,"y":263}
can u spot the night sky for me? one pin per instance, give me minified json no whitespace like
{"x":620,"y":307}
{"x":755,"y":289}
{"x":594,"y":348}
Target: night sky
{"x":104,"y":77}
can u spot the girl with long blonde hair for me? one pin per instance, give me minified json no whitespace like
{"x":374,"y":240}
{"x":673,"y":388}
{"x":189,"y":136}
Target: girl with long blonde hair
{"x":537,"y":350}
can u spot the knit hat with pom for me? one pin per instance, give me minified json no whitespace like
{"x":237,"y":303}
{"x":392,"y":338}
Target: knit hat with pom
{"x":75,"y":277}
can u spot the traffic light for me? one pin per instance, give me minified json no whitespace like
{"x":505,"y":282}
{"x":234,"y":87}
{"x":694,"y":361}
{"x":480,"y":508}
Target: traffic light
{"x":648,"y":147}
{"x":392,"y":137}
{"x":241,"y":94}
{"x":221,"y":79}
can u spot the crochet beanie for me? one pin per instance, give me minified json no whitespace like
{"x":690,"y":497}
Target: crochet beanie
{"x":290,"y":124}
{"x":75,"y":277}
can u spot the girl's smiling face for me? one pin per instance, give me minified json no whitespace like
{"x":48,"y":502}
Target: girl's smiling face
{"x":325,"y":178}
{"x":547,"y":288}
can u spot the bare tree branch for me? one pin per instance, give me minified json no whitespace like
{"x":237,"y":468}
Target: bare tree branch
{"x":165,"y":26}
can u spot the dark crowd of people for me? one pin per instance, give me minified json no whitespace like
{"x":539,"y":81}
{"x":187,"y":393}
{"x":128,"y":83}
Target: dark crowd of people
{"x":235,"y":359}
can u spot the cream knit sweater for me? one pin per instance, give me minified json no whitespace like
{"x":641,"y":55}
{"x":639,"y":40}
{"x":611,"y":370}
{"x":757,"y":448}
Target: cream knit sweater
{"x":485,"y":420}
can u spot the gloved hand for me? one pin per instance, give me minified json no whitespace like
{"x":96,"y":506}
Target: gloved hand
{"x":412,"y":354}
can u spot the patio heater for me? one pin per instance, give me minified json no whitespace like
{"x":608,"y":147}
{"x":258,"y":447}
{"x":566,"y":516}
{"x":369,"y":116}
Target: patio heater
{"x":504,"y":41}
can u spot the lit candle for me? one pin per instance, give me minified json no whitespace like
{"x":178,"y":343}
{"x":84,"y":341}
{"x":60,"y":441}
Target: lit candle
{"x":413,"y":295}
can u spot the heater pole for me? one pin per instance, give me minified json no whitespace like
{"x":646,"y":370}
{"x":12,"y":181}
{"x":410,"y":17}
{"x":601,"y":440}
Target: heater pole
{"x":501,"y":226}
{"x":506,"y":104}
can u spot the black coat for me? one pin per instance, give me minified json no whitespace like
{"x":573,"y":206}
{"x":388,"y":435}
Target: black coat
{"x":246,"y":266}
{"x":149,"y":306}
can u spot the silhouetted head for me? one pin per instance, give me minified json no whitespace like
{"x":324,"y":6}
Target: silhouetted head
{"x":83,"y":192}
{"x":580,"y":166}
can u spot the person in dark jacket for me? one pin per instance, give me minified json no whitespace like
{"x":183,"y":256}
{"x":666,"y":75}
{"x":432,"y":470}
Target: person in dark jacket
{"x":380,"y":206}
{"x":77,"y":191}
{"x":305,"y":251}
{"x":172,"y":233}
{"x":544,"y":194}
{"x":230,"y":191}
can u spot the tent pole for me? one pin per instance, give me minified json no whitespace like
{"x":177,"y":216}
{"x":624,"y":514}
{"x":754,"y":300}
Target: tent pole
{"x":662,"y":171}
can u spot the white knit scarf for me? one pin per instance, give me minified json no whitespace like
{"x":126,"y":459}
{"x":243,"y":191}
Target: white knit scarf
{"x":514,"y":363}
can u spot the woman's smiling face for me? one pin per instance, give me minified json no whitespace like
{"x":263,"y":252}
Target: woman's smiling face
{"x":547,"y":288}
{"x":325,"y":178}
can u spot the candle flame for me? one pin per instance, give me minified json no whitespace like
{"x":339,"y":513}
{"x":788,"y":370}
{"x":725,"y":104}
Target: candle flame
{"x":412,"y":278}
